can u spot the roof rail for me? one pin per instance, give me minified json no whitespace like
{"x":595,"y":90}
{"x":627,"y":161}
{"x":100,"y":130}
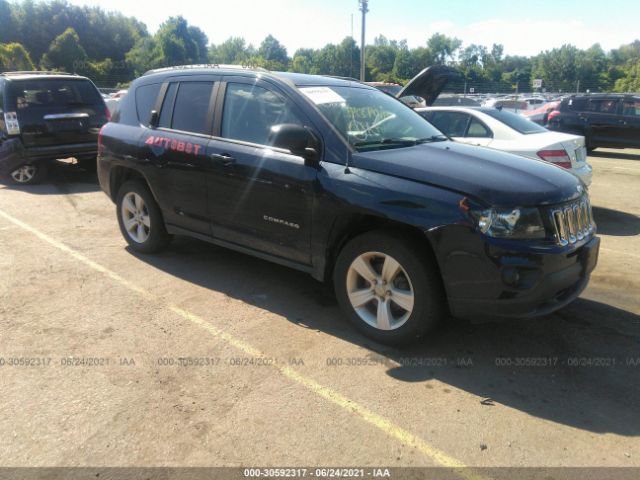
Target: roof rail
{"x":205,"y":65}
{"x":35,"y":72}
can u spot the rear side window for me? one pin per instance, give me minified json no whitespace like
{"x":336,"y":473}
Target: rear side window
{"x":517,"y":122}
{"x":146,"y":96}
{"x":603,"y":105}
{"x":453,"y":124}
{"x":478,"y":130}
{"x":250,"y":112}
{"x":631,"y":108}
{"x":191,"y":110}
{"x":52,"y":93}
{"x":167,"y":106}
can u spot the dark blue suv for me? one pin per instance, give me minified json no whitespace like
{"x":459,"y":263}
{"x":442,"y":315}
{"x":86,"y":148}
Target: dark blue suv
{"x":337,"y":179}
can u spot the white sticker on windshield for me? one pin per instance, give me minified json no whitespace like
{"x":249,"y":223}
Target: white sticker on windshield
{"x":320,"y":95}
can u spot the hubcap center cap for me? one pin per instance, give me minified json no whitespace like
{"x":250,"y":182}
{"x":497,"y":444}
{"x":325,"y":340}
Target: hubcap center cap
{"x":380,"y":288}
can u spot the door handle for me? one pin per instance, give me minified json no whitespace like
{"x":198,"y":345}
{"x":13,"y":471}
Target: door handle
{"x":223,"y":158}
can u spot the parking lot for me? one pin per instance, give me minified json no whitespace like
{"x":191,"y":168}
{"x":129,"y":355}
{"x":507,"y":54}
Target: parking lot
{"x":201,"y":356}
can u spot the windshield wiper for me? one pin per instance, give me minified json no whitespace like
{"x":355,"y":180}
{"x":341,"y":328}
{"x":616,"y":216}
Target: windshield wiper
{"x":389,"y":141}
{"x":433,"y":138}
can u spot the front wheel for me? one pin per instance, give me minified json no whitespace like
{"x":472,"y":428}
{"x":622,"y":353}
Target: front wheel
{"x":140,"y":220}
{"x":389,"y":287}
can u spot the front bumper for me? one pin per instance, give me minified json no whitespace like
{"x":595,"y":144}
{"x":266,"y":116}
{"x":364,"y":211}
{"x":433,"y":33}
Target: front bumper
{"x":494,"y":281}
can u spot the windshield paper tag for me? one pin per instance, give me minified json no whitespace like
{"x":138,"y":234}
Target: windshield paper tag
{"x":320,"y":95}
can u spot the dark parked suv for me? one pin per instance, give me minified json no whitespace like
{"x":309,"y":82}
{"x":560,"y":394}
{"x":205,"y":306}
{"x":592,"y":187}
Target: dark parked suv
{"x":605,"y":120}
{"x":47,"y":116}
{"x":342,"y":181}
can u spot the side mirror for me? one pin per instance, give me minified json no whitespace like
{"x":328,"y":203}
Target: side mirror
{"x":297,"y":139}
{"x":153,"y":119}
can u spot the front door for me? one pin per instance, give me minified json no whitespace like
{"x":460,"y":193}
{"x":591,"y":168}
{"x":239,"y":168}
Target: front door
{"x":259,"y":196}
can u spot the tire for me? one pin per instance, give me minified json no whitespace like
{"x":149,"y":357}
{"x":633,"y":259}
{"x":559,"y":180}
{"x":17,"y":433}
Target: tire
{"x":416,"y":285}
{"x":28,"y":174}
{"x":139,"y":217}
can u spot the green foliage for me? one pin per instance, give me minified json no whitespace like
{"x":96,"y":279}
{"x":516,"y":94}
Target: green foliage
{"x":65,"y":53}
{"x":113,"y":49}
{"x":630,"y":82}
{"x":14,"y":56}
{"x":272,"y":54}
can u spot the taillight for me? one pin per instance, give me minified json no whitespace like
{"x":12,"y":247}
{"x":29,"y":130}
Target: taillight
{"x":557,"y":157}
{"x":11,"y":123}
{"x":107,"y":112}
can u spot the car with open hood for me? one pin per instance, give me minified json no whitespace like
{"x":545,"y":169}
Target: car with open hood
{"x":339,"y":180}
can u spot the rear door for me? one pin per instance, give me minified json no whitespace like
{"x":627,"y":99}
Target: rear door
{"x":602,"y":122}
{"x":177,"y":149}
{"x":58,"y":111}
{"x":630,"y":122}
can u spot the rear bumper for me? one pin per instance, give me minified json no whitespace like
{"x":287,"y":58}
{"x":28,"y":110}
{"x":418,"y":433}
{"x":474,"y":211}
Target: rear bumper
{"x":76,"y":150}
{"x":584,"y":173}
{"x":13,"y":154}
{"x":521,"y":284}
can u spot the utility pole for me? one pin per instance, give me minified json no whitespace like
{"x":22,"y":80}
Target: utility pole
{"x":364,"y":8}
{"x":352,"y":48}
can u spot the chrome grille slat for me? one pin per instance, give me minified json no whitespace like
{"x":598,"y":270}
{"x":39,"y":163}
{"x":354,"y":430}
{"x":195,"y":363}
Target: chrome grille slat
{"x":573,"y":222}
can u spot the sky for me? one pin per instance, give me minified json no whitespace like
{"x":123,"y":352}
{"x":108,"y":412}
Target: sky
{"x":523,"y":27}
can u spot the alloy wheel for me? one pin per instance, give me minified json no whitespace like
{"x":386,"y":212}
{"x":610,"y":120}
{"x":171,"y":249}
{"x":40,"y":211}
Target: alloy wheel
{"x":135,"y":217}
{"x":380,"y":290}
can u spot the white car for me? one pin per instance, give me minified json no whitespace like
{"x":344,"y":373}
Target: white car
{"x":509,"y":132}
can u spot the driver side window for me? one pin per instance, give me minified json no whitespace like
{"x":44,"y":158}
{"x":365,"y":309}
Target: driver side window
{"x":250,"y":111}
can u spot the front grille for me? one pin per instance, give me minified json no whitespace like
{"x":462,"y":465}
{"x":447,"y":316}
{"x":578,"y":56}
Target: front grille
{"x":573,"y":221}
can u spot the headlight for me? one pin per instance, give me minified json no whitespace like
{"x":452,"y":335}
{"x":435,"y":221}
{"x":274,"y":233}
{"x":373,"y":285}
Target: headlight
{"x":509,"y":223}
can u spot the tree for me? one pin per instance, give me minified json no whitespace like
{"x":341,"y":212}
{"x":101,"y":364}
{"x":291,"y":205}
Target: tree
{"x":443,"y":48}
{"x":231,"y":51}
{"x":145,"y":55}
{"x":630,"y":82}
{"x":13,"y":56}
{"x":303,"y":60}
{"x":65,"y":53}
{"x":380,"y":57}
{"x":272,"y":54}
{"x":177,"y":43}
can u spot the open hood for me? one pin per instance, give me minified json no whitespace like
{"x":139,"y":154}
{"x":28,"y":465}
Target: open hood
{"x":429,"y":82}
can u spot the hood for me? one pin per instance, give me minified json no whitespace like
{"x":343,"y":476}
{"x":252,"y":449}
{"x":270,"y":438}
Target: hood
{"x":498,"y":178}
{"x":429,"y":83}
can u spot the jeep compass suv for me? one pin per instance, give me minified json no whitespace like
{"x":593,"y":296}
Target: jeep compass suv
{"x":337,"y":179}
{"x":46,"y":116}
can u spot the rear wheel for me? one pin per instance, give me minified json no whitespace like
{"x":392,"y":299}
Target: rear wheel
{"x":28,"y":174}
{"x":388,"y":287}
{"x":140,"y":220}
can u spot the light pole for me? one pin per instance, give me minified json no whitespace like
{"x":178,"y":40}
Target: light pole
{"x":364,"y":8}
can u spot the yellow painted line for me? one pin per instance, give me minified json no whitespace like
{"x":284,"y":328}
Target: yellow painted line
{"x":381,"y":423}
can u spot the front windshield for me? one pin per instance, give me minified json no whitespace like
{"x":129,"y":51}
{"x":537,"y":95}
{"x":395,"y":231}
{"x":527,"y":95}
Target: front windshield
{"x":370,"y":119}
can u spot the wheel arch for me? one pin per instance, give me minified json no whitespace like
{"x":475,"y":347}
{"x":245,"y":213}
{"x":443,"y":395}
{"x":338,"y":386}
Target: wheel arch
{"x":347,"y":227}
